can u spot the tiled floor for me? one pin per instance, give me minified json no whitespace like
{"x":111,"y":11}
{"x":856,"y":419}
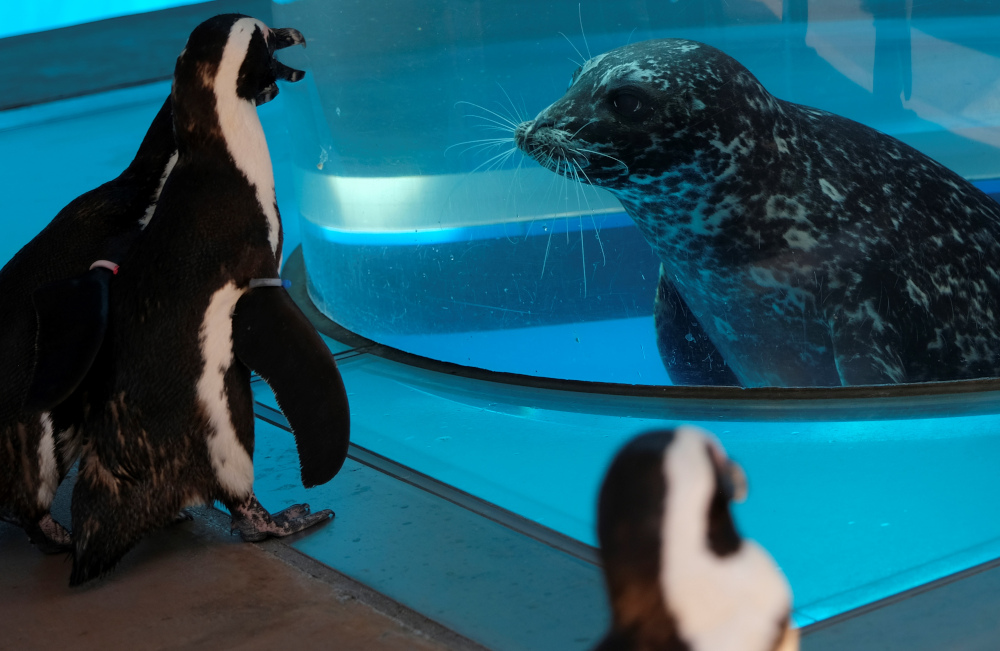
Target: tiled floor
{"x":194,"y":586}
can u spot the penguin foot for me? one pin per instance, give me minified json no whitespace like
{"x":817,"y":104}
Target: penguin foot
{"x":255,"y":524}
{"x":49,"y":536}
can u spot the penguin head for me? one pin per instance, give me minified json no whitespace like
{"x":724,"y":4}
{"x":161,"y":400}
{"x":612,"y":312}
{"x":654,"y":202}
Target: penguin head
{"x":679,"y":575}
{"x":229,"y":56}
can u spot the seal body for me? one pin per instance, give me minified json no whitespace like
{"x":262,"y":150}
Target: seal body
{"x":54,"y":314}
{"x":679,"y":576}
{"x":185,"y":329}
{"x":803,"y":247}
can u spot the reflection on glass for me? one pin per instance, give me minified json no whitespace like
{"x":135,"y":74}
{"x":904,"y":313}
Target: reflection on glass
{"x":423,"y":229}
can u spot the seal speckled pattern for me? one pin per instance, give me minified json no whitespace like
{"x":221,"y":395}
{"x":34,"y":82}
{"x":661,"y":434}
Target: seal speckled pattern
{"x":812,"y":250}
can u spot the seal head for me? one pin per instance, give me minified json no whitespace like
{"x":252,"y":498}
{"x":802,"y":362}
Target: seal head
{"x":803,"y":247}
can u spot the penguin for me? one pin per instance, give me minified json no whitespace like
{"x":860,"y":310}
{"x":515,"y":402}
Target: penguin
{"x":678,"y":574}
{"x":53,"y":298}
{"x":197,"y":306}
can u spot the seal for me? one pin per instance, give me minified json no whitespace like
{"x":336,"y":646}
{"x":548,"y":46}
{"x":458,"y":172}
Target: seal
{"x":805,"y":248}
{"x":678,"y":573}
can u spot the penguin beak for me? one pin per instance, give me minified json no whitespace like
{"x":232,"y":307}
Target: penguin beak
{"x":282,"y":37}
{"x":287,"y":37}
{"x":734,"y":482}
{"x":281,"y":71}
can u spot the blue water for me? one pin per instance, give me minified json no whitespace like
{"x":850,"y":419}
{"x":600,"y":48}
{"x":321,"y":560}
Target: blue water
{"x":25,"y":17}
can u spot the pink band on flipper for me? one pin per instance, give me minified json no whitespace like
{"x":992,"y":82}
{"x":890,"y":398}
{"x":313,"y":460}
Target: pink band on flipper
{"x":106,"y":264}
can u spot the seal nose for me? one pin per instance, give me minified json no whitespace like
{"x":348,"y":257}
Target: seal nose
{"x":541,"y":123}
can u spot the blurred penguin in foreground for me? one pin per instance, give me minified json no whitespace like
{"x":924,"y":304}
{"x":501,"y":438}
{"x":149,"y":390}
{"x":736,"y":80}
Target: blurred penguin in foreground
{"x":679,"y":575}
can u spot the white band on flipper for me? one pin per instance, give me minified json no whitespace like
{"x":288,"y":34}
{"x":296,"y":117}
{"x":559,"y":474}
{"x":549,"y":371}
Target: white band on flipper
{"x":270,"y":282}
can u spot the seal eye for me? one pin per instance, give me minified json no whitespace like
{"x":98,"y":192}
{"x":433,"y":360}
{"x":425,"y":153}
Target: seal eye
{"x":629,"y":104}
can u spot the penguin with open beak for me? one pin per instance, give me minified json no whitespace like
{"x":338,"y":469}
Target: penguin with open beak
{"x":678,"y":574}
{"x":196,"y":306}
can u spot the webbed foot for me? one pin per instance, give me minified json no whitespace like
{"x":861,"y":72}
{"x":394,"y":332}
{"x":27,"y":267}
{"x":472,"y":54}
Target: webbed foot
{"x":255,"y":524}
{"x":49,"y":536}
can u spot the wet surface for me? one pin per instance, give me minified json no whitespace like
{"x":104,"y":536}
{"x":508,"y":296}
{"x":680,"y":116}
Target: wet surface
{"x":191,"y":586}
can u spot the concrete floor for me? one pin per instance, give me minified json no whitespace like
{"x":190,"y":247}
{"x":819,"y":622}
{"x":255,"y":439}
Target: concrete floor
{"x":194,"y":587}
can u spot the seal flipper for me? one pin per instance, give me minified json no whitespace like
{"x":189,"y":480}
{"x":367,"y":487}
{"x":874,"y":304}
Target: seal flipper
{"x":72,"y":319}
{"x":272,"y":337}
{"x":690,"y":357}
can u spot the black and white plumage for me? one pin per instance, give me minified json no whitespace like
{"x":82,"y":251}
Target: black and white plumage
{"x":54,"y":308}
{"x":798,"y":248}
{"x":679,"y":576}
{"x":185,"y":329}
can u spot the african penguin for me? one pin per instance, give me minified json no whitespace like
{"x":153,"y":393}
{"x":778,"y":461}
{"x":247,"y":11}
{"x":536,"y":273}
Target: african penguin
{"x":53,"y":298}
{"x":679,"y":576}
{"x":196,"y":307}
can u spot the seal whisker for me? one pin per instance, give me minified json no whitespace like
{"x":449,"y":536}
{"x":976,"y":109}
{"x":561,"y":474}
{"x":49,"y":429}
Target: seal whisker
{"x":514,"y":180}
{"x":583,"y":246}
{"x":597,"y":232}
{"x":589,"y":122}
{"x":502,"y":126}
{"x":502,"y":160}
{"x":492,"y":127}
{"x":485,"y":143}
{"x":576,"y":49}
{"x":493,"y":113}
{"x":579,"y":13}
{"x":591,"y":151}
{"x":490,"y":160}
{"x":514,"y":113}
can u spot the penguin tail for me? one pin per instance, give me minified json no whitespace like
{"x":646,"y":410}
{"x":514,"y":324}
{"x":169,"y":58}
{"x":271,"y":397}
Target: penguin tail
{"x":110,"y":515}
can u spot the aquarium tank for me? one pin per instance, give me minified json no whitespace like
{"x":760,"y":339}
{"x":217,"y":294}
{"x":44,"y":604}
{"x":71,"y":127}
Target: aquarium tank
{"x":497,"y":320}
{"x":427,"y":230}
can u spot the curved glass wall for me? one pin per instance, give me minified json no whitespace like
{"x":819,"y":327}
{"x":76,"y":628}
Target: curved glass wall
{"x":425,"y":229}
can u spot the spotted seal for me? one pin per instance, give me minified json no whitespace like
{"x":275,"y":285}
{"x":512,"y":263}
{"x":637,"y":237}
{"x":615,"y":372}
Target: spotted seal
{"x":808,"y":249}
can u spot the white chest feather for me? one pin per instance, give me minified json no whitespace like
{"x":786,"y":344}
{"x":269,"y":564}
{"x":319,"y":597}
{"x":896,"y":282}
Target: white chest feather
{"x":230,"y":460}
{"x":730,"y":603}
{"x":48,"y":471}
{"x":241,"y":127}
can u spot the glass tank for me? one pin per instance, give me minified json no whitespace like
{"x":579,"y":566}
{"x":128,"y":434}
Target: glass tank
{"x":832,"y":257}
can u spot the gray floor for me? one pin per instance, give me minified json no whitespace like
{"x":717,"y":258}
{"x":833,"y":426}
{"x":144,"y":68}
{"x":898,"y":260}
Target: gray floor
{"x":957,"y":613}
{"x":195,"y":586}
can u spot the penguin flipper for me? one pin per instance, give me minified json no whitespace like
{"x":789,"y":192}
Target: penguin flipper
{"x":273,"y":337}
{"x":72,"y":319}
